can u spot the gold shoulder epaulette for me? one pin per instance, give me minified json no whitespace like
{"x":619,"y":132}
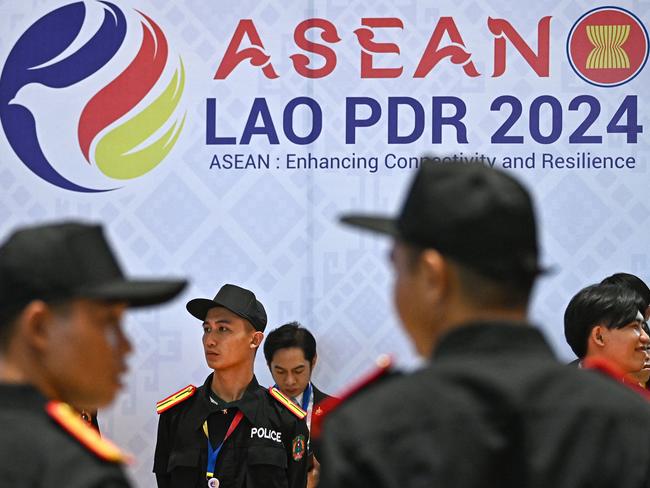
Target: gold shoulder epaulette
{"x":68,"y":418}
{"x":175,"y":399}
{"x":284,"y":400}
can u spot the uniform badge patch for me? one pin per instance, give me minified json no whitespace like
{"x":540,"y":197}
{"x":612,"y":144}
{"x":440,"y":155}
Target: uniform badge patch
{"x":298,"y":447}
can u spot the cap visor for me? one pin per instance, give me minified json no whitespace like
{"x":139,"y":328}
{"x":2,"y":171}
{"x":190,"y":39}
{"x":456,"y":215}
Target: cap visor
{"x":137,"y":293}
{"x":380,"y":225}
{"x":199,"y":307}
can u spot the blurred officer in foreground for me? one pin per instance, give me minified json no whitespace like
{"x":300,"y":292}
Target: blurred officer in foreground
{"x":605,"y":321}
{"x":493,"y":408}
{"x":62,"y":298}
{"x":230,"y":432}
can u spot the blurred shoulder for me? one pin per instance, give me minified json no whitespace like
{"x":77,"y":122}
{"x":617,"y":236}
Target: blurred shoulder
{"x":371,"y":395}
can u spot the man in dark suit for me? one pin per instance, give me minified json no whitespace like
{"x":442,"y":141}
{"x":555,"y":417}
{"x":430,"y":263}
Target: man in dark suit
{"x":290,"y":352}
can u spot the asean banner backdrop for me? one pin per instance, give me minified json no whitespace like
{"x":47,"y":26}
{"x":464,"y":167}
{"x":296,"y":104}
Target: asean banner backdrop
{"x":221,"y":140}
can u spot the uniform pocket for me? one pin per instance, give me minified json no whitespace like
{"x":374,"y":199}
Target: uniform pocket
{"x":267,"y":467}
{"x":270,"y":455}
{"x":187,"y":458}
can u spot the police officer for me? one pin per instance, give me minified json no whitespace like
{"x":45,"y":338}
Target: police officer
{"x":62,"y":298}
{"x":493,"y":408}
{"x":230,"y":432}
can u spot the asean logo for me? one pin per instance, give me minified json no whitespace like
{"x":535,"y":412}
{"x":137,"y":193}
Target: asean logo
{"x":90,"y":96}
{"x":608,"y":46}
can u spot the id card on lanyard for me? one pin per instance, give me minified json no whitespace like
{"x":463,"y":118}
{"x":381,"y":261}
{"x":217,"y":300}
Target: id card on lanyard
{"x":213,"y":452}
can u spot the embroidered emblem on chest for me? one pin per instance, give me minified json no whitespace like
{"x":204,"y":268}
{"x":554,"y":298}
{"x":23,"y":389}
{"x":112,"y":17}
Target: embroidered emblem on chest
{"x":298,"y":447}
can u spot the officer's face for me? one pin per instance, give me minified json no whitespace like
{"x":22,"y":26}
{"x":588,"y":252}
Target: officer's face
{"x":626,"y":346}
{"x":290,"y":370}
{"x":228,"y":339}
{"x":85,"y":352}
{"x":404,"y":287}
{"x":416,"y":295}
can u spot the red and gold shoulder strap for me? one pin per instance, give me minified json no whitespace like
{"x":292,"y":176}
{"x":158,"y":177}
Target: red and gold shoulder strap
{"x":175,"y":398}
{"x":68,"y":418}
{"x":384,"y":365}
{"x":286,"y":402}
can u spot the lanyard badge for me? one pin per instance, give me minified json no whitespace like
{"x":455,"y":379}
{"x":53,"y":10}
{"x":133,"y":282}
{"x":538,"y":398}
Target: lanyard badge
{"x":213,"y":453}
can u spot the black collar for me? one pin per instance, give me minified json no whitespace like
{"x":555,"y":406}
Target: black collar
{"x":203,"y":407}
{"x":492,"y":338}
{"x":21,"y":395}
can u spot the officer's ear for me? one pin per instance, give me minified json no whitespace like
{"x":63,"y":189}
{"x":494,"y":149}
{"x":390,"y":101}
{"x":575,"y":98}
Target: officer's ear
{"x":257,"y":339}
{"x":435,"y":271}
{"x":34,"y":323}
{"x":596,"y":335}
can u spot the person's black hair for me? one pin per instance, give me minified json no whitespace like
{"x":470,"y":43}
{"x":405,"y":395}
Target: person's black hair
{"x":630,"y":281}
{"x":7,"y":328}
{"x":612,"y":306}
{"x":290,"y":335}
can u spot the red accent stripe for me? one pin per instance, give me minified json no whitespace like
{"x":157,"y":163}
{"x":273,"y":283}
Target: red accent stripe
{"x":330,"y":404}
{"x":125,"y":91}
{"x":113,"y":454}
{"x":610,"y":369}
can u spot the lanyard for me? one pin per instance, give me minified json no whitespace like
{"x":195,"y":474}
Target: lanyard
{"x":306,"y":396}
{"x":213,"y":453}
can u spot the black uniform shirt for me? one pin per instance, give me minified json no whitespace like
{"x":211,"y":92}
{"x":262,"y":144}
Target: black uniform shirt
{"x":35,"y":452}
{"x":267,"y":449}
{"x":219,"y":422}
{"x":494,"y":409}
